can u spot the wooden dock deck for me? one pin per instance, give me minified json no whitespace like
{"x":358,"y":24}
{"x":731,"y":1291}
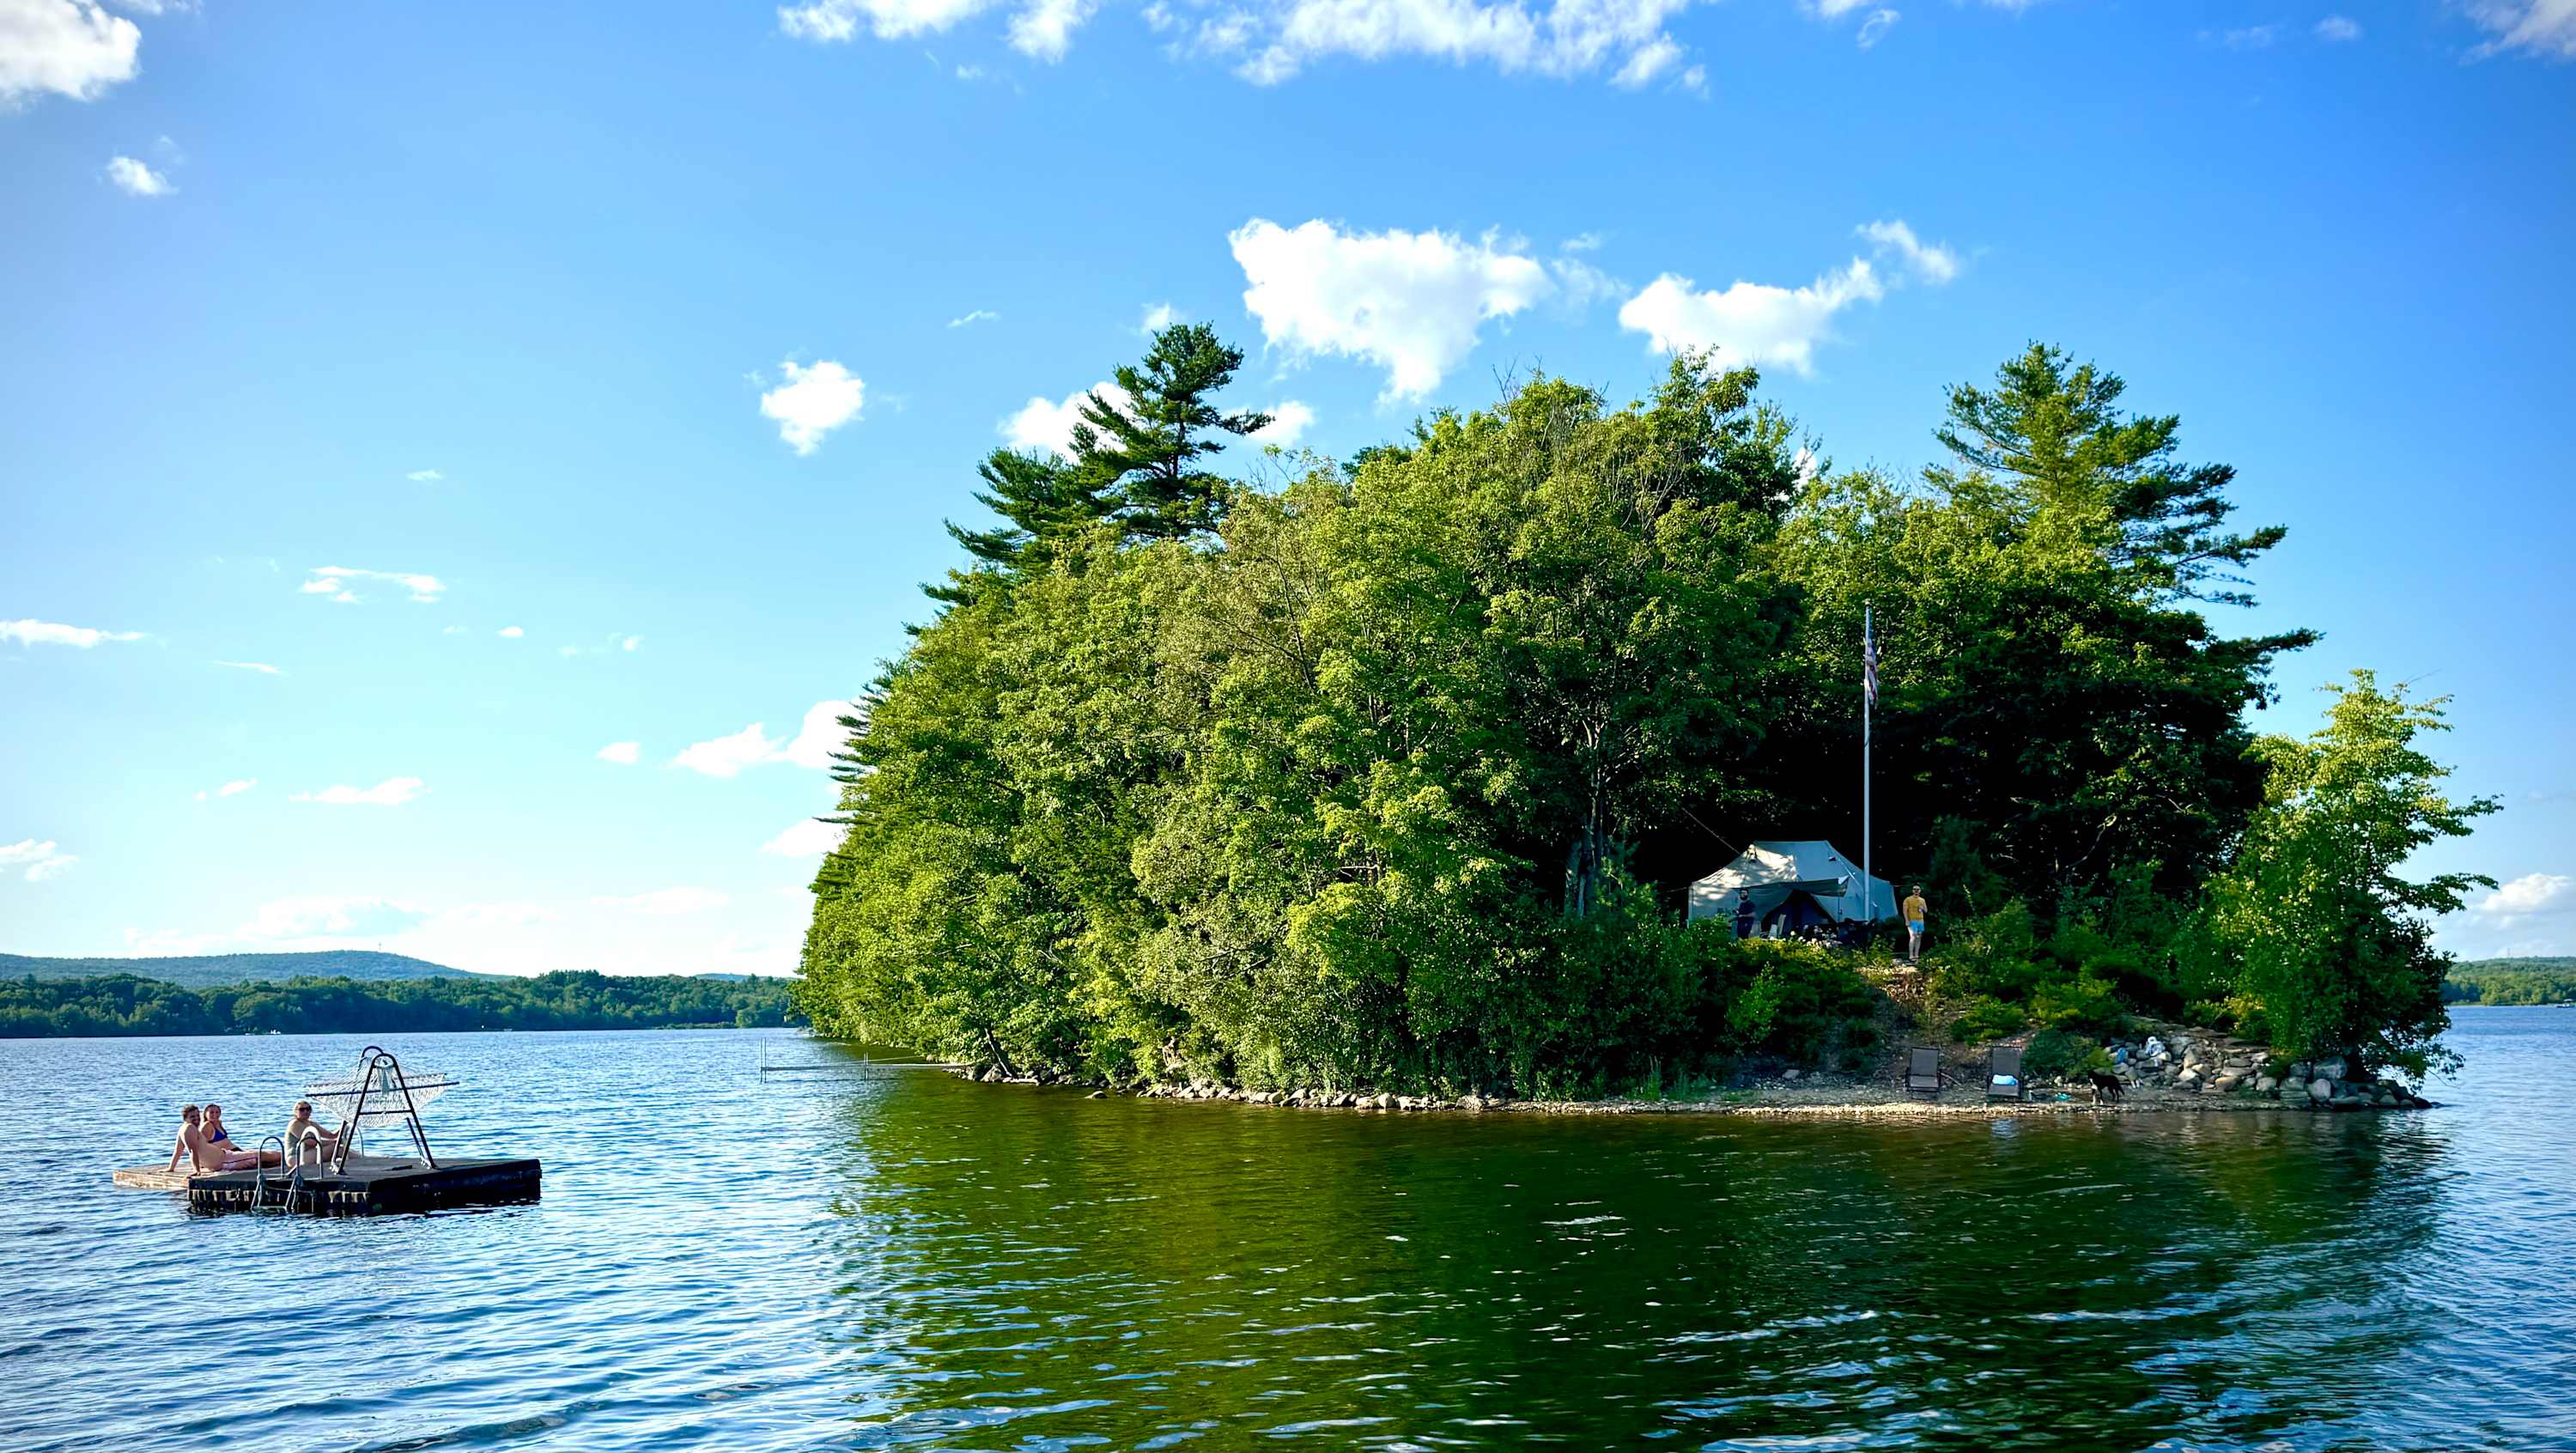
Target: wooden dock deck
{"x":368,"y":1185}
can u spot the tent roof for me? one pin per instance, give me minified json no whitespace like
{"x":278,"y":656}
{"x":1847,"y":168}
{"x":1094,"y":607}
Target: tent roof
{"x":1811,"y":866}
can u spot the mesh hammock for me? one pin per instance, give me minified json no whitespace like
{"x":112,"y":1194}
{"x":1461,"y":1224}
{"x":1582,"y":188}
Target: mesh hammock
{"x":384,"y":1086}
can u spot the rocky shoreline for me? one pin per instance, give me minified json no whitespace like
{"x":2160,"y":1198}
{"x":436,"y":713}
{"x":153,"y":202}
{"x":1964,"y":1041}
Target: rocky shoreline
{"x":2165,"y":1069}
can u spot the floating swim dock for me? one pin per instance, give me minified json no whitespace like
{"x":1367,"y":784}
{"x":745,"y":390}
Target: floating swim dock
{"x":330,"y":1178}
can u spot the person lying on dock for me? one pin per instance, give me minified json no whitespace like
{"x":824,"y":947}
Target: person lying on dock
{"x":204,"y":1154}
{"x":304,"y":1131}
{"x":222,"y":1139}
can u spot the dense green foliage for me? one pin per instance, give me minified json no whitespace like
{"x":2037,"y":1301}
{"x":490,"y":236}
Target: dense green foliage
{"x":1395,"y":775}
{"x":124,"y":1005}
{"x":202,"y":971}
{"x":2512,"y":981}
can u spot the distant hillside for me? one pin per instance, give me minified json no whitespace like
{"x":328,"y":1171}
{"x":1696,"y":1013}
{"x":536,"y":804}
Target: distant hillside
{"x":2512,"y":981}
{"x":207,"y":971}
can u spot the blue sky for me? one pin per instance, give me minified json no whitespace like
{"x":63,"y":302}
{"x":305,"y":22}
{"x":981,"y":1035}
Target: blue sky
{"x":406,"y":405}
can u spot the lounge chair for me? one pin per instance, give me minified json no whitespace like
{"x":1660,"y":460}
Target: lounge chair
{"x":2003,"y":1073}
{"x":1923,"y":1071}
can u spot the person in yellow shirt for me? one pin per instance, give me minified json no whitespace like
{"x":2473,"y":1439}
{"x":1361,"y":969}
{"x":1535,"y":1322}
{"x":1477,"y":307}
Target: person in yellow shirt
{"x":1915,"y":909}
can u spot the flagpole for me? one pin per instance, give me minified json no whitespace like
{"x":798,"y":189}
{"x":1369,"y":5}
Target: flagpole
{"x":1868,"y":696}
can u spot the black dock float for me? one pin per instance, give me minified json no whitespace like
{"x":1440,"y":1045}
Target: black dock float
{"x":361,"y":1190}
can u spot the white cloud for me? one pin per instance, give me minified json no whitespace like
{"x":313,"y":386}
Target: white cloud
{"x":1569,"y":38}
{"x":829,"y":21}
{"x":391,"y":792}
{"x":424,"y":476}
{"x":1289,"y":420}
{"x":667,"y":901}
{"x":729,"y":756}
{"x":624,"y":754}
{"x":1409,"y":302}
{"x":1583,"y":242}
{"x":334,"y":581}
{"x":813,"y":402}
{"x":231,"y":789}
{"x":1159,"y":316}
{"x":2531,"y":893}
{"x":1044,"y":30}
{"x":817,"y":737}
{"x":262,"y":667}
{"x":1048,"y":427}
{"x":49,"y":633}
{"x":132,"y":177}
{"x":2338,"y":28}
{"x":1875,"y":28}
{"x":1759,"y":323}
{"x":1754,"y":323}
{"x":1933,"y":263}
{"x":820,"y":735}
{"x":39,"y":860}
{"x":68,"y":47}
{"x":807,"y":839}
{"x":1647,"y":62}
{"x":628,"y":643}
{"x":2543,"y":27}
{"x":980,"y":315}
{"x":567,"y":650}
{"x":511,"y":633}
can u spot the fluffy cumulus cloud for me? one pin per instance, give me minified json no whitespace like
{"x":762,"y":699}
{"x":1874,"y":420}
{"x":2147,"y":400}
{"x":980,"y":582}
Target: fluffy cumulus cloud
{"x":511,"y":633}
{"x":1762,"y":323}
{"x":2530,"y":894}
{"x":340,"y":582}
{"x":1289,"y":420}
{"x":34,"y":861}
{"x":2542,"y":27}
{"x":69,"y":48}
{"x":51,"y":633}
{"x":424,"y":476}
{"x":233,"y":788}
{"x":391,"y":792}
{"x":813,"y":402}
{"x":817,"y":737}
{"x":133,"y":178}
{"x":1410,"y":303}
{"x":624,"y":754}
{"x":1046,"y":425}
{"x":1568,"y":38}
{"x":807,"y":839}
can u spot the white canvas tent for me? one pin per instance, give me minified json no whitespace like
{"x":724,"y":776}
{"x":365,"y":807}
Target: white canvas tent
{"x":1804,"y":881}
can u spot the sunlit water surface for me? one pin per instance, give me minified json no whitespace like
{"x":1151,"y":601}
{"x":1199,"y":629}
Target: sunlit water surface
{"x":726,"y":1258}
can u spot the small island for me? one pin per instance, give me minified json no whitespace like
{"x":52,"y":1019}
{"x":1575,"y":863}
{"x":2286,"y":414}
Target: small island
{"x":1383,"y":778}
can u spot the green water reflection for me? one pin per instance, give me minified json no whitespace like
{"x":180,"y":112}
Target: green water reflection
{"x":1025,"y":1269}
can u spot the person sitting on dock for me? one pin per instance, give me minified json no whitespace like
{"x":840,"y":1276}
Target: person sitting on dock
{"x":222,"y":1139}
{"x":303,"y":1131}
{"x":204,"y":1154}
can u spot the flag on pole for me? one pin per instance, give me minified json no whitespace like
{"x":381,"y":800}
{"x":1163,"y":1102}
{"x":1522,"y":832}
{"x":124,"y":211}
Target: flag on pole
{"x":1868,"y":661}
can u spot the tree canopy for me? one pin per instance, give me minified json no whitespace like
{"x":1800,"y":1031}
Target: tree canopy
{"x":1397,"y":773}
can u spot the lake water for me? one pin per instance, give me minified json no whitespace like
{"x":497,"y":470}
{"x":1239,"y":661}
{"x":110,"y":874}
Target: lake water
{"x":735,"y":1260}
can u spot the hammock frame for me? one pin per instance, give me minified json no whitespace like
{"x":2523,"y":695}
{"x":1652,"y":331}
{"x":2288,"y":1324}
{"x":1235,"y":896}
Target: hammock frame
{"x":380,"y":1077}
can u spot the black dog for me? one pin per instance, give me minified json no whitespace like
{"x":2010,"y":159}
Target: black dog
{"x":2105,"y":1087}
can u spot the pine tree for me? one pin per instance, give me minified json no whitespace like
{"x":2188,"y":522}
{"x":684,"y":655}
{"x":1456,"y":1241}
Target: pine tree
{"x":1040,"y":500}
{"x":1145,"y":454}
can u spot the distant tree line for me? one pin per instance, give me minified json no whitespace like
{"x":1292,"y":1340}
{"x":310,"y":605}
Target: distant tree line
{"x":1397,"y":772}
{"x":2513,"y":981}
{"x":124,"y":1005}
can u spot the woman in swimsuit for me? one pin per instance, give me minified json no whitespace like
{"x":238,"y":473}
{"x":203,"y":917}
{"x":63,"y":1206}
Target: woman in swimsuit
{"x":204,"y":1154}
